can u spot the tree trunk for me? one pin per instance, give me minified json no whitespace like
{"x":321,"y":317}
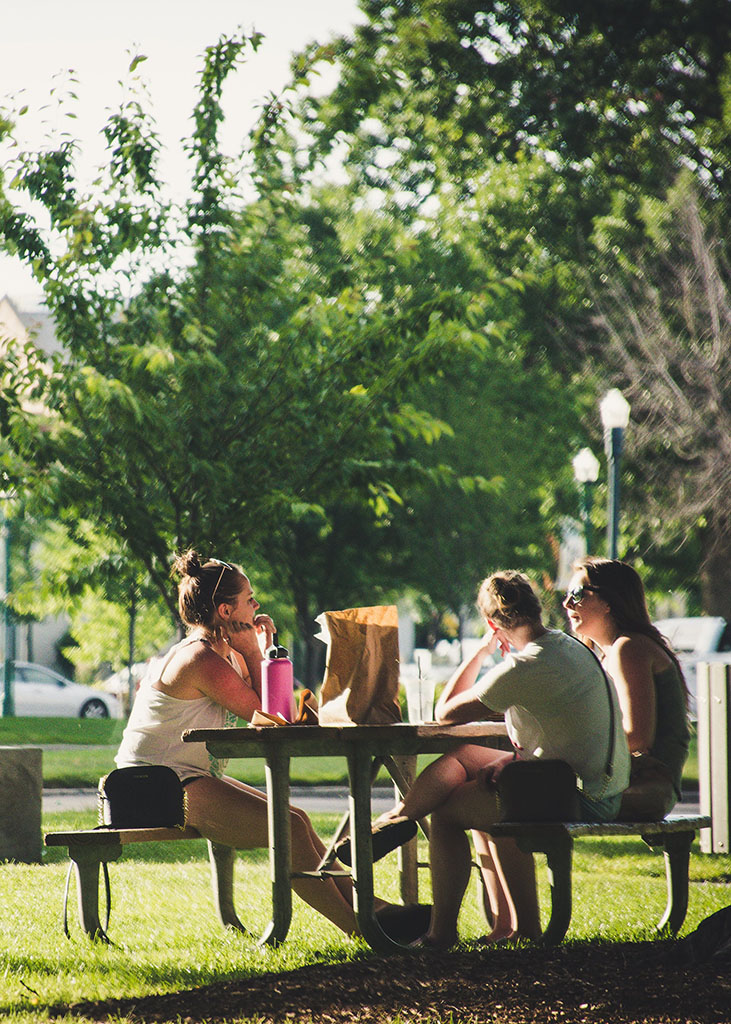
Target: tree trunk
{"x":716,"y":568}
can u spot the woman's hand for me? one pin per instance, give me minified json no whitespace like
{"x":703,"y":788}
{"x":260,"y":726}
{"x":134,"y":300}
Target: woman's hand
{"x":265,"y":624}
{"x":496,"y":640}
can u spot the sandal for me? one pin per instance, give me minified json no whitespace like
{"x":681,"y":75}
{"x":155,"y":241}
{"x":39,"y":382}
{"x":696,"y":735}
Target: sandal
{"x":387,"y":836}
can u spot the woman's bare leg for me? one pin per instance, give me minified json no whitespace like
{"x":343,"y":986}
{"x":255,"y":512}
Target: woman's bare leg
{"x":450,"y":865}
{"x":509,"y":876}
{"x":517,"y":869}
{"x":438,"y":781}
{"x":500,"y":906}
{"x":234,"y":814}
{"x":471,"y":806}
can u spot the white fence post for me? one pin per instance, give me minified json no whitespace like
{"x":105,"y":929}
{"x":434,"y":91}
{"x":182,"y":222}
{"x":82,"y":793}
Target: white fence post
{"x":714,"y":753}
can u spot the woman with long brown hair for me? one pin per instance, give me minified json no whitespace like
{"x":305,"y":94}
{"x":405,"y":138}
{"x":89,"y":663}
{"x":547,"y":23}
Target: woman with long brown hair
{"x":606,"y":606}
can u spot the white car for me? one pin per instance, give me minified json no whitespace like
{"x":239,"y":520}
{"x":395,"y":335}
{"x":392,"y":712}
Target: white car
{"x":694,"y":639}
{"x":40,"y":692}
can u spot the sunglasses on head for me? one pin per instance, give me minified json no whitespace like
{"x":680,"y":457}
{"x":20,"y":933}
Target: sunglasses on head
{"x":575,"y":595}
{"x":224,"y":567}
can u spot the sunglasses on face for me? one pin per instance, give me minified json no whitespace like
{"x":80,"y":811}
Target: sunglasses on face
{"x":576,"y":594}
{"x":224,"y":567}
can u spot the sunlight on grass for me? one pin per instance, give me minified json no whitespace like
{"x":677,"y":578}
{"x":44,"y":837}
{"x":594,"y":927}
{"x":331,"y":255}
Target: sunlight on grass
{"x":167,"y":937}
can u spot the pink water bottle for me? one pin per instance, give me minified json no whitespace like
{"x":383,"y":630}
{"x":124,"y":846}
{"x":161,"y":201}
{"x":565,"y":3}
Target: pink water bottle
{"x":277,"y":682}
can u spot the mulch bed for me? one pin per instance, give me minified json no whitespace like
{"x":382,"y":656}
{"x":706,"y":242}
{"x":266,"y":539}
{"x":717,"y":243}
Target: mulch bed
{"x":621,"y":983}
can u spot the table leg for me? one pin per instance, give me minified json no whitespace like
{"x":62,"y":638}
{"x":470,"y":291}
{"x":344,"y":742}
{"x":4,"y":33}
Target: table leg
{"x":359,"y":770}
{"x":280,"y":847}
{"x":402,"y":770}
{"x":344,"y":825}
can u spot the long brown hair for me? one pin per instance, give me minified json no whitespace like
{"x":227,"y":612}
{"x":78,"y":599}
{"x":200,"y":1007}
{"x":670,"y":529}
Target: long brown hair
{"x":620,"y":585}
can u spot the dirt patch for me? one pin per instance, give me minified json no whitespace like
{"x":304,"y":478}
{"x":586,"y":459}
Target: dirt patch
{"x":621,"y":983}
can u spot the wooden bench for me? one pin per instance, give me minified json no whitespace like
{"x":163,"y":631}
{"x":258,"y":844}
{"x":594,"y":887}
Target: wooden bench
{"x":90,"y":849}
{"x":674,"y":835}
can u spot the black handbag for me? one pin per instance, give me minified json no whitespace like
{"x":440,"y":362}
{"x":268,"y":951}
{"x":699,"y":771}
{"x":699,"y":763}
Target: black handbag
{"x":546,"y":789}
{"x":537,"y":790}
{"x":143,"y":796}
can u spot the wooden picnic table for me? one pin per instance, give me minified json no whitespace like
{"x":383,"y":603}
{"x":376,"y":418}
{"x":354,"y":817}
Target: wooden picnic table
{"x":365,"y":748}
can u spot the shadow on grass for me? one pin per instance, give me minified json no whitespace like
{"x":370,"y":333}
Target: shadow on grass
{"x":621,"y":982}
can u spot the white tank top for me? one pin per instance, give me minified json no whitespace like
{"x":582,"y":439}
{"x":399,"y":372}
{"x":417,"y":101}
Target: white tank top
{"x":157,"y":722}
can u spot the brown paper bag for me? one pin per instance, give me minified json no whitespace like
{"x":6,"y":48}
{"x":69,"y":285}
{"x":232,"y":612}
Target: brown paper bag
{"x":307,"y":713}
{"x":362,"y":669}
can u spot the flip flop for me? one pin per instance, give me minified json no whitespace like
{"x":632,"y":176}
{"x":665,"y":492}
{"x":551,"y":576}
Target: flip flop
{"x":387,"y":836}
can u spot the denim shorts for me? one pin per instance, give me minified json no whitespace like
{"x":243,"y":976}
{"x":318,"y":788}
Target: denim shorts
{"x":599,"y":810}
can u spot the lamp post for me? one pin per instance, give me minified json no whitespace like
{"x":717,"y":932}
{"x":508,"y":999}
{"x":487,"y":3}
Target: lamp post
{"x":586,"y":472}
{"x":614,"y":409}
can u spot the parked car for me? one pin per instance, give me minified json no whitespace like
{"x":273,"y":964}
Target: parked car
{"x":118,"y":683}
{"x":694,"y":639}
{"x":40,"y":692}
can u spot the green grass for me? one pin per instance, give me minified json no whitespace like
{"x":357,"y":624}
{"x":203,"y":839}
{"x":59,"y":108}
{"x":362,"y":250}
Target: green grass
{"x":88,"y":749}
{"x":166,"y":935}
{"x":76,"y":731}
{"x":83,"y":767}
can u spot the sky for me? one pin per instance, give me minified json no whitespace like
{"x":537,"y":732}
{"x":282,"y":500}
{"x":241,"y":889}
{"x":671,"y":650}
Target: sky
{"x":42,"y":41}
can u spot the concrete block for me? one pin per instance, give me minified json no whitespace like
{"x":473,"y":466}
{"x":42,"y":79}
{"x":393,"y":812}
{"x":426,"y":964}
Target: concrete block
{"x":21,"y":793}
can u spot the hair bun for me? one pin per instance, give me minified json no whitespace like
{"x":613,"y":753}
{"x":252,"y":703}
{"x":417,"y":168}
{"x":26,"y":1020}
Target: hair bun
{"x":188,"y":564}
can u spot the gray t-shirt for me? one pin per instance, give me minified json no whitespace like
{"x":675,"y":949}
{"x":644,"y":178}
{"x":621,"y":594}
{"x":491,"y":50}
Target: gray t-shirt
{"x":556,"y":704}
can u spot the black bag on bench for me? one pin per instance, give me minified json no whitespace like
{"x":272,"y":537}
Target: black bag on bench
{"x":537,"y":790}
{"x":143,"y":796}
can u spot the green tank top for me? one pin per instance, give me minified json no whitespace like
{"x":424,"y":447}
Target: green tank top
{"x":672,"y":734}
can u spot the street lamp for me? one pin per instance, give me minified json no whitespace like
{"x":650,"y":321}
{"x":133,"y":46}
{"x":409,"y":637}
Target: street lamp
{"x":586,"y":472}
{"x":614,"y":409}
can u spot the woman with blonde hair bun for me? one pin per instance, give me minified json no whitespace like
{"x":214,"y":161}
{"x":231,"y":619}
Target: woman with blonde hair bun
{"x":557,"y":704}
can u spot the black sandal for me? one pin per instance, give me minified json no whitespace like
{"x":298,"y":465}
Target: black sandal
{"x":387,"y":836}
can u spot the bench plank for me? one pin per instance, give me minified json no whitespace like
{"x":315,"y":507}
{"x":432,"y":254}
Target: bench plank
{"x":674,"y":834}
{"x":96,"y":836}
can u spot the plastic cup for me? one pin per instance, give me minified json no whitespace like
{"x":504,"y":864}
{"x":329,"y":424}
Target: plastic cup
{"x":419,"y":700}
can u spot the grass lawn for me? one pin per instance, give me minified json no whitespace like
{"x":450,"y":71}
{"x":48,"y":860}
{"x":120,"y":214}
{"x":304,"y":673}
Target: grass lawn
{"x":77,"y":752}
{"x":166,"y":935}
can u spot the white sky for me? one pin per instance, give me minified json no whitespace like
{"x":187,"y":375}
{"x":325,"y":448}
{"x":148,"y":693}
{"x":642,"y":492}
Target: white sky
{"x":41,"y":40}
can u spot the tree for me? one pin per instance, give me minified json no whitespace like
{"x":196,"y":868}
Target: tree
{"x":623,"y":93}
{"x":665,"y":314}
{"x":115,"y":617}
{"x":614,"y":99}
{"x":219,"y":405}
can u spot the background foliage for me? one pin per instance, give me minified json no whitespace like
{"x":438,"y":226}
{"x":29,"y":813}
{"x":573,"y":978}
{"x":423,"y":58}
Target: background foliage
{"x":374,"y":387}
